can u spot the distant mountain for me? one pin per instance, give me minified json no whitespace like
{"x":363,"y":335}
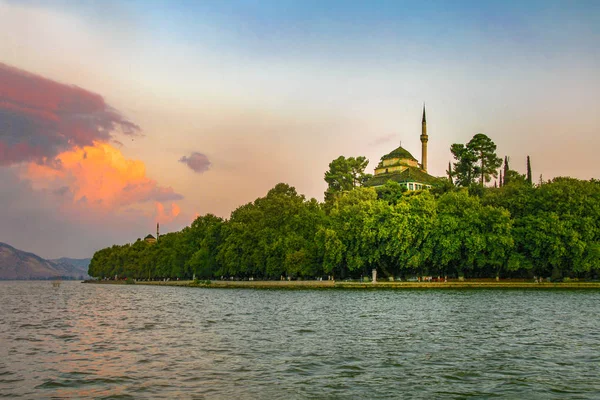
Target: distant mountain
{"x":18,"y":264}
{"x":79,"y":263}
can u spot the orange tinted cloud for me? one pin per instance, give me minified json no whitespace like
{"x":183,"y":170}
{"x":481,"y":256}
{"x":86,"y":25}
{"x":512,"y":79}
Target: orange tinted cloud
{"x":100,"y":177}
{"x":164,"y":215}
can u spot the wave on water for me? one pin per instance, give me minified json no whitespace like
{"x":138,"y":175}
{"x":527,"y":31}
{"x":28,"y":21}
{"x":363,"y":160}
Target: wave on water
{"x":81,"y":341}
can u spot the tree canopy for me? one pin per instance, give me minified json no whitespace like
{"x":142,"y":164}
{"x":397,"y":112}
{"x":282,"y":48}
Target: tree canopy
{"x":475,"y":159}
{"x":345,"y":174}
{"x":518,"y":230}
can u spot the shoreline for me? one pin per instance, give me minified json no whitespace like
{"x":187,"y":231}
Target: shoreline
{"x":311,"y":285}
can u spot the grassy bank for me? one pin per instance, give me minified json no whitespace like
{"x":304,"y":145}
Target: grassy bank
{"x":358,"y":285}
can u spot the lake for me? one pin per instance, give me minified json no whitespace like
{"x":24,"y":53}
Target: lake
{"x":134,"y":341}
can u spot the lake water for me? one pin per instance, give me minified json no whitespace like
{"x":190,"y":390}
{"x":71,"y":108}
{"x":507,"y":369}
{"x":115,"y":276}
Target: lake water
{"x":135,"y":341}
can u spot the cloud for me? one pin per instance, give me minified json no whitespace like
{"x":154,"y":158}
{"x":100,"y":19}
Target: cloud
{"x":49,"y":224}
{"x":198,"y":162}
{"x":164,"y":215}
{"x":99,"y":176}
{"x":40,"y":118}
{"x":66,"y":187}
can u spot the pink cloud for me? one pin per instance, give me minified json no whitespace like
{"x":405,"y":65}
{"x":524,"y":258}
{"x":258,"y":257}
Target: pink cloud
{"x":40,"y":118}
{"x":63,"y":169}
{"x":168,"y":214}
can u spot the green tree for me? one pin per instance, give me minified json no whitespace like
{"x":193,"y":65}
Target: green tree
{"x":348,"y":218}
{"x":391,"y":192}
{"x":485,"y":151}
{"x":513,"y":177}
{"x":505,"y":178}
{"x":556,"y":226}
{"x":443,"y":186}
{"x":205,"y":238}
{"x":470,"y":237}
{"x":529,"y":171}
{"x":415,"y":220}
{"x":463,"y":172}
{"x":332,"y":250}
{"x":345,"y":174}
{"x":273,"y":236}
{"x":476,"y":158}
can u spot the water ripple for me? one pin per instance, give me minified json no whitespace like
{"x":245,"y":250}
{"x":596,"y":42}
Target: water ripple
{"x":106,"y":341}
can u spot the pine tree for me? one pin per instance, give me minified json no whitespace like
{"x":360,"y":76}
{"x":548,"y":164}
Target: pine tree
{"x":476,"y":159}
{"x":486,"y":161}
{"x":528,"y":171}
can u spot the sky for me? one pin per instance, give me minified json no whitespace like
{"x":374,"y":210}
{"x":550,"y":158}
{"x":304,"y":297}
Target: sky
{"x":117,"y":115}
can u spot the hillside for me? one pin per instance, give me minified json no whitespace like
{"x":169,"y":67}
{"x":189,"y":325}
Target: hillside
{"x":18,"y":264}
{"x":79,"y":263}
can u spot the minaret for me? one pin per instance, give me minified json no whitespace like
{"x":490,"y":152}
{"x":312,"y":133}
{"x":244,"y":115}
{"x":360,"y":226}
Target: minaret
{"x":424,"y":139}
{"x":157,"y":231}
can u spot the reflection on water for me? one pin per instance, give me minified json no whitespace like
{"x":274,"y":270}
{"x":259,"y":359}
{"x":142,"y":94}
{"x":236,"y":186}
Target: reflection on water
{"x":144,"y":341}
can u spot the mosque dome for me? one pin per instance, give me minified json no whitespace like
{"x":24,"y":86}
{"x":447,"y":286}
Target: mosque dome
{"x":399,"y":153}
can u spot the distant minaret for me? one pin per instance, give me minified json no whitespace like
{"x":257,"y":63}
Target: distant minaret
{"x":157,"y":231}
{"x":424,"y":139}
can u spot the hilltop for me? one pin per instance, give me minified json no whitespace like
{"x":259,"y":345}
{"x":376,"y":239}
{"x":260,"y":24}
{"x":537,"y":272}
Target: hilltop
{"x":19,"y":264}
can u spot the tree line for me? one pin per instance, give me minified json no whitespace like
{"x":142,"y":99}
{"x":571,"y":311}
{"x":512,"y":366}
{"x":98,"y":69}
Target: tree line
{"x":460,"y":228}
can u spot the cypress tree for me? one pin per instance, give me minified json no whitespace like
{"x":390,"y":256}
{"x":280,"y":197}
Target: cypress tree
{"x":501,"y":178}
{"x":528,"y":171}
{"x":450,"y":172}
{"x":505,"y":170}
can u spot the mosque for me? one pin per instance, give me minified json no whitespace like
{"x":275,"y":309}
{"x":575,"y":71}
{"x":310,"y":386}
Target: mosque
{"x":400,"y":166}
{"x":151,"y":239}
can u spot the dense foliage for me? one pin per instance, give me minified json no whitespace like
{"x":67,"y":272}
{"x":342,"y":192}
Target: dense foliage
{"x":345,"y":174}
{"x":475,"y":159}
{"x":517,"y":230}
